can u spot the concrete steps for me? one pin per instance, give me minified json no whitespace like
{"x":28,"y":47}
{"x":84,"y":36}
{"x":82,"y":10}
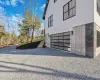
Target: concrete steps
{"x":41,"y":45}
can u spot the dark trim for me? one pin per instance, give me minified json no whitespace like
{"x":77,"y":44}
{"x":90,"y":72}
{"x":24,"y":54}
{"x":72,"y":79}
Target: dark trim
{"x":69,"y":9}
{"x":55,"y":1}
{"x":50,"y":21}
{"x":45,"y":9}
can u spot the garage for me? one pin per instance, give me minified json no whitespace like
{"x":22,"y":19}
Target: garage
{"x":60,"y":41}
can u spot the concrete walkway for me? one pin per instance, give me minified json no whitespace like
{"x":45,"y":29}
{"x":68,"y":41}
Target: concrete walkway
{"x":46,"y":64}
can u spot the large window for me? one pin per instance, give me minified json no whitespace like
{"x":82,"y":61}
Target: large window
{"x":50,"y":21}
{"x":98,"y":39}
{"x":69,"y":9}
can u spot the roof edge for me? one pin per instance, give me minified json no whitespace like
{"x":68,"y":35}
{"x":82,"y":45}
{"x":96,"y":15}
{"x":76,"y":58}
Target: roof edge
{"x":45,"y":9}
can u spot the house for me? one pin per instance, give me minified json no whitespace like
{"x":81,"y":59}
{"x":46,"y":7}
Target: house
{"x":73,"y":25}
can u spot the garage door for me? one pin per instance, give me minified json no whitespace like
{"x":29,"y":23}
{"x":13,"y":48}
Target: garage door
{"x":61,"y":41}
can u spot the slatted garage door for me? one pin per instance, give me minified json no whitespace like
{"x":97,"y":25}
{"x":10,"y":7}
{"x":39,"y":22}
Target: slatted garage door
{"x":60,"y":41}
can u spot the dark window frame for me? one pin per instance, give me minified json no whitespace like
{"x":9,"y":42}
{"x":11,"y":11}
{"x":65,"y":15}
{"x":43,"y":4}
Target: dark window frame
{"x":55,"y":1}
{"x":68,"y":11}
{"x":50,"y":21}
{"x":98,"y":38}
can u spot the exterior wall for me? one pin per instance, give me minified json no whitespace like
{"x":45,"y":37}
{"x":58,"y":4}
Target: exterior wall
{"x":78,"y":40}
{"x":89,"y":37}
{"x":97,"y":27}
{"x":59,"y":26}
{"x":47,"y":40}
{"x":84,"y":38}
{"x":83,"y":41}
{"x":82,"y":7}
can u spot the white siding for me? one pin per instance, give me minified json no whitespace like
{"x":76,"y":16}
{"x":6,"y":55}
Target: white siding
{"x":84,"y":14}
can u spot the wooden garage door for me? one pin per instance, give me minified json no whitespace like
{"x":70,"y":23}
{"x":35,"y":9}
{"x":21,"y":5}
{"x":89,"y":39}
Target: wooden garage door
{"x":61,"y":41}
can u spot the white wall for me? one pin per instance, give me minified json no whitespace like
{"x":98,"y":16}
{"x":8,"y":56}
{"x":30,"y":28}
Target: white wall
{"x":84,"y":14}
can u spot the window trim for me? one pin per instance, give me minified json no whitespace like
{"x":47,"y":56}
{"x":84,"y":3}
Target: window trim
{"x":69,"y":9}
{"x":98,"y":39}
{"x":50,"y":21}
{"x":55,"y":1}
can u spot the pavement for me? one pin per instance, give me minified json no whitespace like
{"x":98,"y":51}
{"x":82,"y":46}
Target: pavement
{"x":46,"y":64}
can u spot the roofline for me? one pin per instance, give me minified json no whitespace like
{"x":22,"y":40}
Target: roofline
{"x":45,"y":9}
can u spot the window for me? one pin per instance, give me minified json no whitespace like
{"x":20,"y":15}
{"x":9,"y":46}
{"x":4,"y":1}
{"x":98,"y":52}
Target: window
{"x":69,"y":9}
{"x":50,"y":21}
{"x":98,"y":6}
{"x":55,"y":1}
{"x":98,"y":39}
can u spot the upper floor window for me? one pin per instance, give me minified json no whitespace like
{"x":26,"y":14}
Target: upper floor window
{"x":50,"y":21}
{"x":69,"y":9}
{"x":55,"y":1}
{"x":98,"y":6}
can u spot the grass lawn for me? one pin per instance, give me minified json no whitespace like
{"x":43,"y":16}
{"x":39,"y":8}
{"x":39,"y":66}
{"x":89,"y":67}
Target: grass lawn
{"x":35,"y":40}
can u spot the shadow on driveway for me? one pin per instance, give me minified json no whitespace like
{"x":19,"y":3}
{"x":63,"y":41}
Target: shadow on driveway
{"x":49,"y":71}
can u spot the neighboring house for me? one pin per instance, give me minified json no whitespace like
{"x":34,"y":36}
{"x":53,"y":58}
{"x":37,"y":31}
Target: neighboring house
{"x":73,"y":25}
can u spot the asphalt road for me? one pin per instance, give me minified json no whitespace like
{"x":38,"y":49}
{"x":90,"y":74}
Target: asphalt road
{"x":46,"y":64}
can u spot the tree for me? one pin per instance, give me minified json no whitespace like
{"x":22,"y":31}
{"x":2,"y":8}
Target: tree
{"x":26,"y":24}
{"x":29,"y":24}
{"x":33,"y":6}
{"x":36,"y":25}
{"x":31,"y":21}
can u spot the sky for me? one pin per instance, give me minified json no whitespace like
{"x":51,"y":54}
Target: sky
{"x":12,"y":11}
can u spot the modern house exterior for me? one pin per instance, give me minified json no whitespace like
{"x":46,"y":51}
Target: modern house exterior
{"x":73,"y":25}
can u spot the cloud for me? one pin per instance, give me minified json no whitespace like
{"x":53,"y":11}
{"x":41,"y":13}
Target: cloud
{"x":7,"y":3}
{"x":42,"y":7}
{"x":1,"y":9}
{"x":42,"y":25}
{"x":21,"y":1}
{"x":11,"y":2}
{"x":14,"y":20}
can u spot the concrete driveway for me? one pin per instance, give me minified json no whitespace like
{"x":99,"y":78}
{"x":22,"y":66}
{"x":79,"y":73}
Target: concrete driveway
{"x":46,"y":64}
